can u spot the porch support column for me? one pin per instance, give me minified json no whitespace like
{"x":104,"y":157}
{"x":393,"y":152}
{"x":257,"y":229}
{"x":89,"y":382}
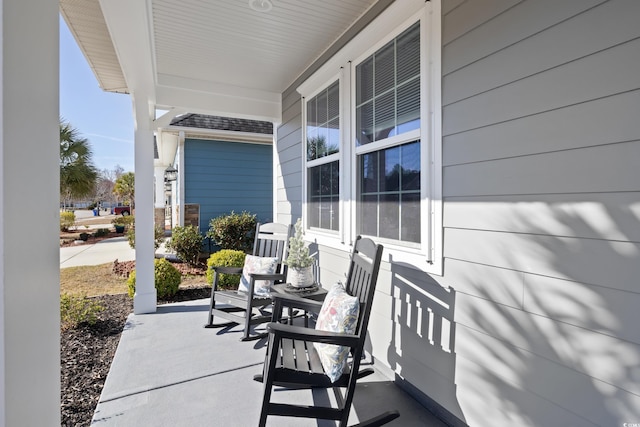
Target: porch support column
{"x":29,"y":214}
{"x":144,"y":300}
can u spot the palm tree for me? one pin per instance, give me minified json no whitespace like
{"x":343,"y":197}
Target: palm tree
{"x":77,"y":173}
{"x":125,"y":188}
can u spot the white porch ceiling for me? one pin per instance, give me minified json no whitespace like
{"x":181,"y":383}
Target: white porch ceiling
{"x":208,"y":56}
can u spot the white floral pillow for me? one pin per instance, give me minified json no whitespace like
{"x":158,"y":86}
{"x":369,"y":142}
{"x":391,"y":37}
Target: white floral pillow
{"x":339,"y":313}
{"x":257,"y":265}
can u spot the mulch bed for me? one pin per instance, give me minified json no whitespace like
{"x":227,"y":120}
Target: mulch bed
{"x":87,"y":351}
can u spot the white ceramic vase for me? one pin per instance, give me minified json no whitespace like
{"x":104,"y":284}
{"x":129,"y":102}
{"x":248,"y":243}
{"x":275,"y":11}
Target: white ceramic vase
{"x":300,"y":277}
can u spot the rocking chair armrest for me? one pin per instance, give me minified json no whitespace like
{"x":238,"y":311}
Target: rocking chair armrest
{"x":281,"y":330}
{"x":226,"y":270}
{"x":259,"y":276}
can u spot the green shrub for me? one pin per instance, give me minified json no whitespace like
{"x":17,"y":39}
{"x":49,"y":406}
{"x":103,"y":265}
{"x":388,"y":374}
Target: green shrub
{"x":158,"y":236}
{"x":233,"y":231}
{"x":167,"y":279}
{"x":67,"y":219}
{"x":75,"y":309}
{"x":225,"y":258}
{"x":100,"y":232}
{"x":186,"y":242}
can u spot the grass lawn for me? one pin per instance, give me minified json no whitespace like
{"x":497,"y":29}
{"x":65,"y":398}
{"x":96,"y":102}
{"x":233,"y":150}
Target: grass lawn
{"x":95,"y":280}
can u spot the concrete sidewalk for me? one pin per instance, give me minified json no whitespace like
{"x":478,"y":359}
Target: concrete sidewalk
{"x":105,"y":251}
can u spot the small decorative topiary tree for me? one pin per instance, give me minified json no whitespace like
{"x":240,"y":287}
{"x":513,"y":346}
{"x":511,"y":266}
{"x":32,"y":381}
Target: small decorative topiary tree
{"x":233,"y":231}
{"x":225,"y":258}
{"x":167,"y":279}
{"x":186,"y":242}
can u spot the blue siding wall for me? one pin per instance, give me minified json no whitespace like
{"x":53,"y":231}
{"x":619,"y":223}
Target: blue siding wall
{"x":228,"y":176}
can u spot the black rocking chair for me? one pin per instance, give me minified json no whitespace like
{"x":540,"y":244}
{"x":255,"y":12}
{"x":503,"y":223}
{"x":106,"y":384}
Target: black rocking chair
{"x":271,"y":240}
{"x":292,"y":361}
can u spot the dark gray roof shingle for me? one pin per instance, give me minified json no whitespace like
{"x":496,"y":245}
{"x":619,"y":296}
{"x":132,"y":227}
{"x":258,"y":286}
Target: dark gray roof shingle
{"x":223,"y":123}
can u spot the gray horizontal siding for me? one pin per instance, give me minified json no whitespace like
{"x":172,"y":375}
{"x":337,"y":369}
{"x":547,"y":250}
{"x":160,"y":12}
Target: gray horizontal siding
{"x":541,"y":208}
{"x":289,"y":152}
{"x":481,"y":34}
{"x":534,"y":320}
{"x":574,"y":39}
{"x":552,"y":89}
{"x":605,"y":168}
{"x":601,"y":216}
{"x":607,"y":120}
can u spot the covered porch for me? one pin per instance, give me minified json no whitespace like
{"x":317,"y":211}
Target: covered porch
{"x":193,"y":376}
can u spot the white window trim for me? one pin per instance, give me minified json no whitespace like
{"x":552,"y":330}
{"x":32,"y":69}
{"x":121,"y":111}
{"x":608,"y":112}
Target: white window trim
{"x":400,"y":16}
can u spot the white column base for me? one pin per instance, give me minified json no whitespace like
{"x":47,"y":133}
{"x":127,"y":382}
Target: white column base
{"x":144,"y":303}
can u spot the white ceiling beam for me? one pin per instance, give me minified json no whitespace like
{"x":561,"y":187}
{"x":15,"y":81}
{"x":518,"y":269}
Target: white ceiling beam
{"x":221,"y":104}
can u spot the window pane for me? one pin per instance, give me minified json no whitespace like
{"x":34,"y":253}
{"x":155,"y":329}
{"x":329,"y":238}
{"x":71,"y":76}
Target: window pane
{"x":321,"y":141}
{"x":389,"y":193}
{"x":388,"y":89}
{"x":369,"y":173}
{"x":313,"y":213}
{"x":335,"y":212}
{"x":369,"y":215}
{"x":333,"y":101}
{"x":384,"y":116}
{"x":390,"y":216}
{"x":323,"y":123}
{"x":364,"y":79}
{"x":364,"y":124}
{"x":311,"y":113}
{"x":391,"y":178}
{"x":411,"y":166}
{"x":385,"y":69}
{"x":314,"y":182}
{"x":409,"y":106}
{"x":408,"y":54}
{"x":325,"y":214}
{"x":323,"y":196}
{"x":410,"y":218}
{"x":333,"y":135}
{"x":322,"y":107}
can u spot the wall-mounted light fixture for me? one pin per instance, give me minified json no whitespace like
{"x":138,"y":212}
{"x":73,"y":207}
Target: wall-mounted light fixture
{"x":170,"y":173}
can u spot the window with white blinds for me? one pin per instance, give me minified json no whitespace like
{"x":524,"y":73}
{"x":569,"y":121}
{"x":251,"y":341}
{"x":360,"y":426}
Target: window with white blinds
{"x":388,"y":105}
{"x":388,"y":89}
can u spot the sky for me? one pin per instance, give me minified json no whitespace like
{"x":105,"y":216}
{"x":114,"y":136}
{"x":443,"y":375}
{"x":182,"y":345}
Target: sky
{"x":104,"y":118}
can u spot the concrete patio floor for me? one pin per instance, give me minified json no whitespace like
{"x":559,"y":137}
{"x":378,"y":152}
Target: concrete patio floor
{"x":170,"y":371}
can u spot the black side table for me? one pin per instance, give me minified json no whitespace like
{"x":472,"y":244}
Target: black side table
{"x":316,"y":294}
